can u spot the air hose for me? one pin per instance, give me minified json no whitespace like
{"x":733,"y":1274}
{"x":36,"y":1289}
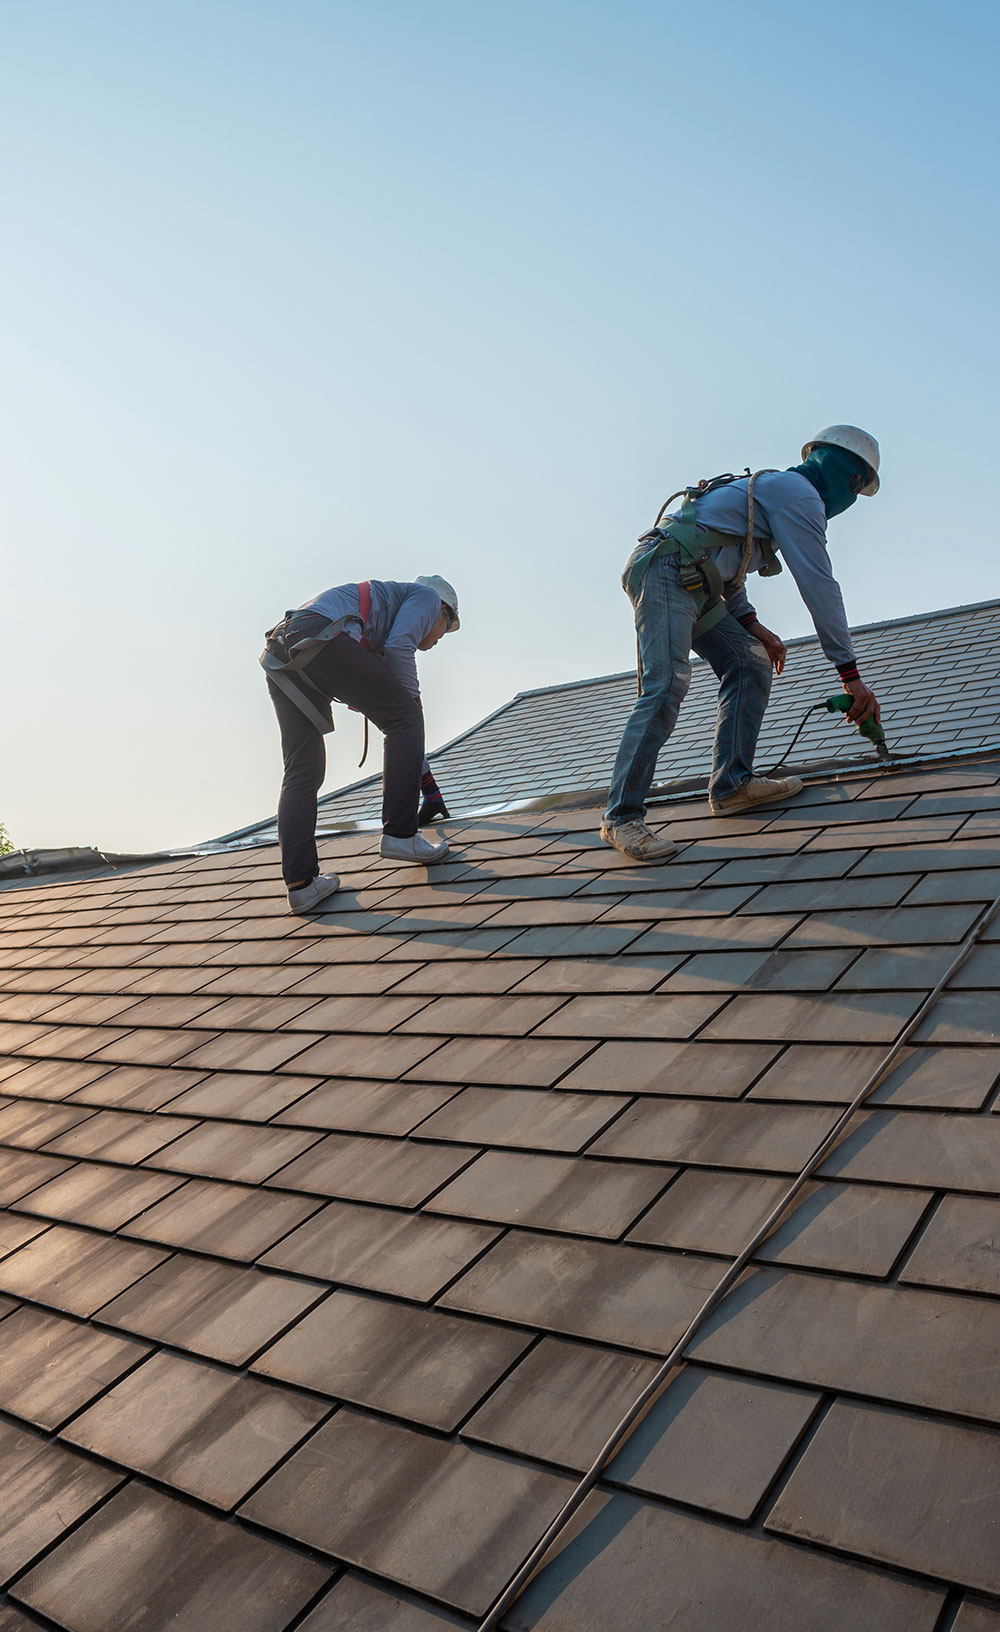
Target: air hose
{"x":663,"y":1377}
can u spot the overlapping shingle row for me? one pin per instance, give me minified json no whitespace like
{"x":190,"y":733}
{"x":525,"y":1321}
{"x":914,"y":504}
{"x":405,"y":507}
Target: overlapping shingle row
{"x":331,"y":1250}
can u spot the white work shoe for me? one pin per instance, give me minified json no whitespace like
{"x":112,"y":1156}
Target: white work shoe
{"x":309,"y":896}
{"x":416,"y":849}
{"x":637,"y":840}
{"x":760,"y":790}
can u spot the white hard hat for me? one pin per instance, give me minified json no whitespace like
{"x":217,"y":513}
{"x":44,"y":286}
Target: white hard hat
{"x":441,"y":587}
{"x":852,"y":440}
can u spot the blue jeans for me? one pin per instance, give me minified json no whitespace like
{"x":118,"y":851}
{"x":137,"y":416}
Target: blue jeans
{"x":664,"y":616}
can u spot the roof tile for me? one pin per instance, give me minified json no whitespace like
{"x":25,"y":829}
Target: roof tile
{"x":145,"y":1563}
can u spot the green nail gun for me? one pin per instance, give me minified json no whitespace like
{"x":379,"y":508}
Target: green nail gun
{"x":868,"y":728}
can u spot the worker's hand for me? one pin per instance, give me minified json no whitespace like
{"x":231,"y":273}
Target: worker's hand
{"x":773,"y":645}
{"x":865,"y":705}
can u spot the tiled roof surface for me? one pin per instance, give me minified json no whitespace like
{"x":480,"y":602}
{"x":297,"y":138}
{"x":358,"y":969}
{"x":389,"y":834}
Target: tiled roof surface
{"x":938,"y":677}
{"x":332,"y":1249}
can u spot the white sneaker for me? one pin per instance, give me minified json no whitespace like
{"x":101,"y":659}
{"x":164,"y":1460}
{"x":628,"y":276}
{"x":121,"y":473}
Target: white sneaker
{"x":637,"y":839}
{"x":416,"y":849}
{"x":309,"y":896}
{"x":760,"y":790}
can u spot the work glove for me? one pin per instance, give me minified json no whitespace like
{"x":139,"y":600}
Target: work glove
{"x":432,"y":805}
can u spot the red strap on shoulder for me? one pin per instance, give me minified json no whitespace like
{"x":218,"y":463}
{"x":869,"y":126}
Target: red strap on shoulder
{"x":365,"y":608}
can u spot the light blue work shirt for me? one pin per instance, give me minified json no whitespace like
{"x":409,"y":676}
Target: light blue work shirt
{"x":401,"y":616}
{"x":789,"y":511}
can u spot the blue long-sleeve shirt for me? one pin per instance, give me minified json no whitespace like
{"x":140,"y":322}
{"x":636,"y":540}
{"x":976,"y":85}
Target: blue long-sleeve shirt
{"x":400,"y":616}
{"x":789,"y":511}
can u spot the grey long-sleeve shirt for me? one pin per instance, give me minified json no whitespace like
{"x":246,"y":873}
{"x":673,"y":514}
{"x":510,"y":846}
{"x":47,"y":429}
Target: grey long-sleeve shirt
{"x":789,"y":511}
{"x":401,"y":615}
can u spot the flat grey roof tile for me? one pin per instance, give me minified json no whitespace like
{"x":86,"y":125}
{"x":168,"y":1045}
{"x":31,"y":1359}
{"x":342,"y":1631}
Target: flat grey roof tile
{"x":792,"y":971}
{"x":228,"y":1150}
{"x":962,"y":1017}
{"x":930,"y":1148}
{"x":552,"y":1192}
{"x":960,"y":1247}
{"x":367,"y":1107}
{"x":976,"y":1617}
{"x":714,"y":1441}
{"x":75,"y":1270}
{"x":722,"y":1576}
{"x":714,"y":1070}
{"x":404,"y":1254}
{"x":559,"y":975}
{"x":200,"y":1430}
{"x":22,"y":1171}
{"x":717,"y":1133}
{"x":932,"y":1349}
{"x":365,"y":1168}
{"x":422,"y":1364}
{"x":610,"y":1292}
{"x":147,"y":1563}
{"x":102,"y":1197}
{"x":50,"y":1367}
{"x":888,"y":1486}
{"x":716,"y":935}
{"x":44,"y":1490}
{"x":486,"y":1016}
{"x":529,"y":1118}
{"x":382,"y":1497}
{"x":830,"y":1017}
{"x":356,"y":1606}
{"x":628,"y":1015}
{"x":216,"y":1310}
{"x":888,"y":926}
{"x":227,"y":1220}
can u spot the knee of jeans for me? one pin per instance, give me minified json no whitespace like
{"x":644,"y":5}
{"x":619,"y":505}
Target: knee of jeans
{"x":760,"y":667}
{"x":406,"y":715}
{"x":668,"y":690}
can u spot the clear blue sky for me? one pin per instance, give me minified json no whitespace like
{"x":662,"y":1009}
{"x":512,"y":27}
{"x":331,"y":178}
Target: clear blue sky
{"x":304,"y":292}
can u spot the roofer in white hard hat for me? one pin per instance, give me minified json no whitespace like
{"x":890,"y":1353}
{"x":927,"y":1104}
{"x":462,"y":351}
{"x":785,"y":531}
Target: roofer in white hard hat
{"x":686,"y":583}
{"x":356,"y":644}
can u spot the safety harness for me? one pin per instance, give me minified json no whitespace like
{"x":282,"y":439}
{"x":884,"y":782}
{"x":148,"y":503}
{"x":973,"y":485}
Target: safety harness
{"x":695,"y":567}
{"x":293,"y":643}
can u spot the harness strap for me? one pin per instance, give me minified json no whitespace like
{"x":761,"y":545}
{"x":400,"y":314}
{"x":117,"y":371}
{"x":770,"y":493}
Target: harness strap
{"x":290,"y":646}
{"x":365,"y":608}
{"x":696,"y":568}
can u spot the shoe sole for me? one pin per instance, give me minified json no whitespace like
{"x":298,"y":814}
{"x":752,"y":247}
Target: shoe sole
{"x":416,"y":861}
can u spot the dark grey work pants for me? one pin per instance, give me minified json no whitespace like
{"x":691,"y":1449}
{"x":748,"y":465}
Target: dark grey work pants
{"x":346,"y":671}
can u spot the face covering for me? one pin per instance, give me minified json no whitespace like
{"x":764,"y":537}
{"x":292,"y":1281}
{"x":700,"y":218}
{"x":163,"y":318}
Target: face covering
{"x":830,"y":471}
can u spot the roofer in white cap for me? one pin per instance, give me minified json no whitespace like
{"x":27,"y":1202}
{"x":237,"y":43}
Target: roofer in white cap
{"x":686,"y":581}
{"x":356,"y":644}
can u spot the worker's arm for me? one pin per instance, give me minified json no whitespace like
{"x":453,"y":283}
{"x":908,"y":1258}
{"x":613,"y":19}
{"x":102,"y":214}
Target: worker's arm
{"x":798,"y":527}
{"x":415,"y":619}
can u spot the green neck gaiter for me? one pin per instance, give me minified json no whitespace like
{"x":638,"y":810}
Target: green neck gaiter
{"x":830,"y":471}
